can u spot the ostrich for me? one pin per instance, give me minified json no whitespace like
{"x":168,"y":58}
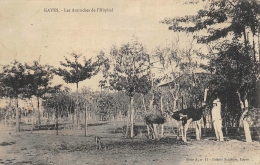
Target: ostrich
{"x":187,"y":116}
{"x":151,"y":120}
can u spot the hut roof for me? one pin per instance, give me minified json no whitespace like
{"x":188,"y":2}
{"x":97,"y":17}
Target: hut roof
{"x":166,"y":83}
{"x":186,"y":79}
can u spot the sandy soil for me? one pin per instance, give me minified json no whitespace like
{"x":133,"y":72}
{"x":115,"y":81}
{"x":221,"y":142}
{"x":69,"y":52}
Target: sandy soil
{"x":71,"y":147}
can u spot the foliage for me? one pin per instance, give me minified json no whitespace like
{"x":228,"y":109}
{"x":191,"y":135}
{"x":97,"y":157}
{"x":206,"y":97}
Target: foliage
{"x":192,"y":88}
{"x":61,"y":101}
{"x":78,"y":72}
{"x":13,"y":80}
{"x":130,"y":69}
{"x":238,"y":14}
{"x":40,"y":77}
{"x":232,"y":61}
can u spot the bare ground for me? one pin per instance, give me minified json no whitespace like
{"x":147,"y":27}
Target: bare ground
{"x":71,"y":147}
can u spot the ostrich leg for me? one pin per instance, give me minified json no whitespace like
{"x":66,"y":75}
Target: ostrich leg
{"x":150,"y":127}
{"x":155,"y":131}
{"x":186,"y":126}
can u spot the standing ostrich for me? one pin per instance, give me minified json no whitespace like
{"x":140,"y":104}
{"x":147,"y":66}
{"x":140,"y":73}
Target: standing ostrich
{"x":152,"y":120}
{"x":187,"y":116}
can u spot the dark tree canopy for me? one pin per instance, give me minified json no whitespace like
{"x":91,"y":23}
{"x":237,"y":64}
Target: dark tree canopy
{"x":13,"y":79}
{"x":40,"y":77}
{"x":236,"y":14}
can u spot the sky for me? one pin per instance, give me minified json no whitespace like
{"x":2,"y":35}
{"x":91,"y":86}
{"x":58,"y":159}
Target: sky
{"x":28,"y":32}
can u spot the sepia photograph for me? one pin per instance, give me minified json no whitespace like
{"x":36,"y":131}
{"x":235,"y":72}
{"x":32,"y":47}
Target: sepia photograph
{"x":134,"y":82}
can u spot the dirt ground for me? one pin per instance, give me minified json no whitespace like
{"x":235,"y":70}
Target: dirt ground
{"x":71,"y":147}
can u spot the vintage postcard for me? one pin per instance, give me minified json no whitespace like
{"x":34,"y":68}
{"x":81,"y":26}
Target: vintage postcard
{"x":129,"y":82}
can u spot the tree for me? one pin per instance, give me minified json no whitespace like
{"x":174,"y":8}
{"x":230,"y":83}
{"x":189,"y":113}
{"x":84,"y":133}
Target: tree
{"x":87,"y":97}
{"x":68,"y":102}
{"x":232,"y":62}
{"x":177,"y":61}
{"x":129,"y":67}
{"x":144,"y":87}
{"x":236,"y":17}
{"x":40,"y":82}
{"x":78,"y":72}
{"x":239,"y":15}
{"x":105,"y":106}
{"x":13,"y":80}
{"x":234,"y":78}
{"x":56,"y":102}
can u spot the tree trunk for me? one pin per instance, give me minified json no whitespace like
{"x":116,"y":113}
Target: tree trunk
{"x":132,"y":116}
{"x":246,"y":125}
{"x":17,"y":116}
{"x":32,"y":124}
{"x":151,"y":103}
{"x":77,"y":106}
{"x":5,"y":121}
{"x":258,"y":42}
{"x":245,"y":38}
{"x":226,"y":119}
{"x":244,"y":106}
{"x":39,"y":113}
{"x":174,"y":109}
{"x":145,"y":111}
{"x":210,"y":121}
{"x":247,"y":131}
{"x":254,"y":49}
{"x":75,"y":119}
{"x":144,"y":103}
{"x":162,"y":126}
{"x":127,"y":121}
{"x":86,"y":121}
{"x":57,"y":123}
